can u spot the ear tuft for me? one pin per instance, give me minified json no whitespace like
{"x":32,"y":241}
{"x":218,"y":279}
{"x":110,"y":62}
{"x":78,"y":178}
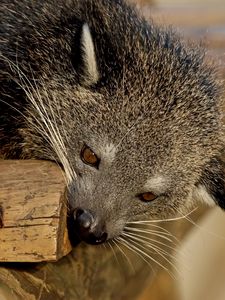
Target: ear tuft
{"x":211,"y":187}
{"x":90,"y":70}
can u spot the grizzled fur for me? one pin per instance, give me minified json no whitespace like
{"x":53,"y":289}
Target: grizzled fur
{"x":144,"y":101}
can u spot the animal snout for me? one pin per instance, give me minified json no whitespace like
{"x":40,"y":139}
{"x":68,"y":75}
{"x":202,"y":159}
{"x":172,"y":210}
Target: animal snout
{"x":88,"y":228}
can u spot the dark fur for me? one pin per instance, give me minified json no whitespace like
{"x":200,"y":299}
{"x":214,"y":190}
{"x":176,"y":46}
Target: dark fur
{"x":146,"y":72}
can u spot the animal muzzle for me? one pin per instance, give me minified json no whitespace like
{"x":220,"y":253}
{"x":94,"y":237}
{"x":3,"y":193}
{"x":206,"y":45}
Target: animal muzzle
{"x":88,"y":228}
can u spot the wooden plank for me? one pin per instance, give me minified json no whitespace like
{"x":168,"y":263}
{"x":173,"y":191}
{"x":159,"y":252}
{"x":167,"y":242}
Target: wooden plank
{"x":34,"y":212}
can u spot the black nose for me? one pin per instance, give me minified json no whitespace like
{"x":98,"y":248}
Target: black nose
{"x":83,"y":218}
{"x":88,"y":228}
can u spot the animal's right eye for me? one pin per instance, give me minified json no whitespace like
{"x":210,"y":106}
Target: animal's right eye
{"x":147,"y":197}
{"x":89,"y":157}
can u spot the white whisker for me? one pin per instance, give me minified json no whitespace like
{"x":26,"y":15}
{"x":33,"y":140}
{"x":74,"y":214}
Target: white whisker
{"x":49,"y":131}
{"x":115,"y":241}
{"x":146,"y":238}
{"x":134,"y":249}
{"x":144,"y":247}
{"x":163,"y":220}
{"x":151,"y":244}
{"x":149,"y":231}
{"x":114,"y":253}
{"x":144,"y":253}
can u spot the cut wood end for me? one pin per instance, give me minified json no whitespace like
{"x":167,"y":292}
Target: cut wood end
{"x":34,"y":212}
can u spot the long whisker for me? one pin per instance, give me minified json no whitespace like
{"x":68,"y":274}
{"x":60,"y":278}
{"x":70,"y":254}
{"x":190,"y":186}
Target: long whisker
{"x":149,"y":231}
{"x":152,"y":243}
{"x":134,"y":241}
{"x":202,"y":228}
{"x":116,"y":242}
{"x":164,"y":220}
{"x":45,"y":126}
{"x":146,"y":238}
{"x":162,"y":230}
{"x":145,"y":242}
{"x":137,"y":251}
{"x":165,"y":231}
{"x":144,"y":253}
{"x":55,"y":129}
{"x":114,"y":253}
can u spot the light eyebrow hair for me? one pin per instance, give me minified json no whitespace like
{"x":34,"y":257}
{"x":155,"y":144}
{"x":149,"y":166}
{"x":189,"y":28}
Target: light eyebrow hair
{"x":157,"y":184}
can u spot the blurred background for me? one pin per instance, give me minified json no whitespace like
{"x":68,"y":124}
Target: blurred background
{"x":203,"y":268}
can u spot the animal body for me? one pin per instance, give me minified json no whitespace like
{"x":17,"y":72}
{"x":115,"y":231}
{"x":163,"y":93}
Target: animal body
{"x":129,"y":111}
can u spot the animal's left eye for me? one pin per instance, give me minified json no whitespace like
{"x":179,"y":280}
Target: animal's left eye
{"x":147,"y":197}
{"x":89,"y":157}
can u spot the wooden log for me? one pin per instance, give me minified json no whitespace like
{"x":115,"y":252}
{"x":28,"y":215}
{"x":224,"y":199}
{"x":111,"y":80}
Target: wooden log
{"x":33,"y":209}
{"x":34,"y":229}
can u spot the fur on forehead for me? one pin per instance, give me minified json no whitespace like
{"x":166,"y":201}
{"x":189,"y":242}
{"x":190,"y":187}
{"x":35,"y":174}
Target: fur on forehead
{"x":107,"y":151}
{"x":157,"y":184}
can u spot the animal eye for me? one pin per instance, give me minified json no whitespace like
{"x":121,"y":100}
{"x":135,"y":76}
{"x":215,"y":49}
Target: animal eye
{"x":89,"y":157}
{"x":147,"y":197}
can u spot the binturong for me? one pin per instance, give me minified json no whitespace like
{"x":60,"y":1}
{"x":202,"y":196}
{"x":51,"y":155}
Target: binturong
{"x":131,"y":113}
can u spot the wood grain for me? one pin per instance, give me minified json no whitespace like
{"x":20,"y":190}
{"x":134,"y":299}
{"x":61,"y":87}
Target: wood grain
{"x":34,"y":212}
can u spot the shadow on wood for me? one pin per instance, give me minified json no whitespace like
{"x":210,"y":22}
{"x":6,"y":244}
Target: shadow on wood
{"x":34,"y":218}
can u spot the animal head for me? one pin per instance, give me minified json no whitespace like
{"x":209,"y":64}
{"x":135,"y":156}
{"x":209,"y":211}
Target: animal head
{"x":140,"y":136}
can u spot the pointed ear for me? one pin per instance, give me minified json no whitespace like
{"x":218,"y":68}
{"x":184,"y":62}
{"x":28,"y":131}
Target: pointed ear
{"x":211,"y":187}
{"x":90,"y":69}
{"x":83,"y":56}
